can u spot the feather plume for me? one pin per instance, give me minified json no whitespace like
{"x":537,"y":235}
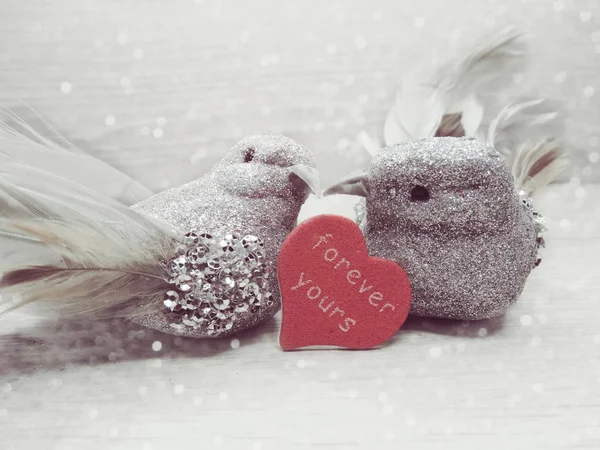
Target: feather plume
{"x":73,"y":250}
{"x":536,"y":164}
{"x":38,"y":144}
{"x":426,"y":98}
{"x":451,"y":126}
{"x":482,"y":67}
{"x":526,"y":133}
{"x":445,"y":102}
{"x":521,"y":121}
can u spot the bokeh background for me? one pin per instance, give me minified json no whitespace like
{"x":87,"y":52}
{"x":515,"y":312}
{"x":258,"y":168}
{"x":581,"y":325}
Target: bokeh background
{"x":162,"y":89}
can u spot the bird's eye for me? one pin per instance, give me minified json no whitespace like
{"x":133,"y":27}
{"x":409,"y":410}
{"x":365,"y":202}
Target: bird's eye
{"x":249,"y":154}
{"x":419,"y":194}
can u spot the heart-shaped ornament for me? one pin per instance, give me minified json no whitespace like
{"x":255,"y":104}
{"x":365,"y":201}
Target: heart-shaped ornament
{"x":334,"y":293}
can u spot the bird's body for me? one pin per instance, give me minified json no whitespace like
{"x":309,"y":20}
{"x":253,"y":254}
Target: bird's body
{"x":465,"y":277}
{"x":447,"y":211}
{"x":241,"y":198}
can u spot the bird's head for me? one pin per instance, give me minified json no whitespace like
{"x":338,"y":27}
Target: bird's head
{"x":268,"y":166}
{"x":446,"y":184}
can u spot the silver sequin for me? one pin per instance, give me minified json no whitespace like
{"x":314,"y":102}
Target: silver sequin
{"x":229,"y":263}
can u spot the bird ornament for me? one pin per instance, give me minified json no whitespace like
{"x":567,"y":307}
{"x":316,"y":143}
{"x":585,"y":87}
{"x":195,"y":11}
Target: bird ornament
{"x":449,"y":199}
{"x":79,"y":239}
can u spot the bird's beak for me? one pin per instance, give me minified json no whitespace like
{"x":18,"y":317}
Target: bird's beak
{"x":306,"y":178}
{"x":355,"y":184}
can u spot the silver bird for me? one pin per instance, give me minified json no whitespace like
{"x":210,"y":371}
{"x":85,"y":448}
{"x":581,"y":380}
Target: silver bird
{"x":447,"y":210}
{"x":256,"y":191}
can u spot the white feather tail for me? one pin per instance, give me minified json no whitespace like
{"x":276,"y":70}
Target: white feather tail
{"x":537,"y":164}
{"x":526,"y":133}
{"x":71,"y":249}
{"x":452,"y":92}
{"x":36,"y":143}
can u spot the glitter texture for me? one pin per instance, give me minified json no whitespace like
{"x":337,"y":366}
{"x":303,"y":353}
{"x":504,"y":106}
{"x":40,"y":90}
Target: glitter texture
{"x":539,"y":223}
{"x":250,"y":192}
{"x":468,"y":243}
{"x":216,"y":280}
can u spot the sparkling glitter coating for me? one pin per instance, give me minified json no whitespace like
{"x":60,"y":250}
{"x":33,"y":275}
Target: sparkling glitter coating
{"x":216,"y":280}
{"x":249,"y":192}
{"x":447,"y":211}
{"x":539,"y":223}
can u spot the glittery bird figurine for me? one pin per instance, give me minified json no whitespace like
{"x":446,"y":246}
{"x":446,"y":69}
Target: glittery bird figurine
{"x":455,"y":212}
{"x":240,"y":215}
{"x":198,"y":260}
{"x":449,"y":212}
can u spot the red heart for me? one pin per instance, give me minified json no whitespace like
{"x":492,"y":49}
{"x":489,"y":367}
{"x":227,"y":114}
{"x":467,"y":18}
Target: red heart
{"x":333,"y":293}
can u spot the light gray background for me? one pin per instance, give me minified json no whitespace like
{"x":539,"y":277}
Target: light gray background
{"x":161,"y":89}
{"x":200,"y":75}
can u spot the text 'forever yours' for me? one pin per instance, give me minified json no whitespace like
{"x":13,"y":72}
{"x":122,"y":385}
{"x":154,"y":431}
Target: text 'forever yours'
{"x":344,"y":272}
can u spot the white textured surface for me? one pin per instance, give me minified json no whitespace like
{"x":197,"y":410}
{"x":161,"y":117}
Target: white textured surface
{"x":163,"y":89}
{"x":529,"y":380}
